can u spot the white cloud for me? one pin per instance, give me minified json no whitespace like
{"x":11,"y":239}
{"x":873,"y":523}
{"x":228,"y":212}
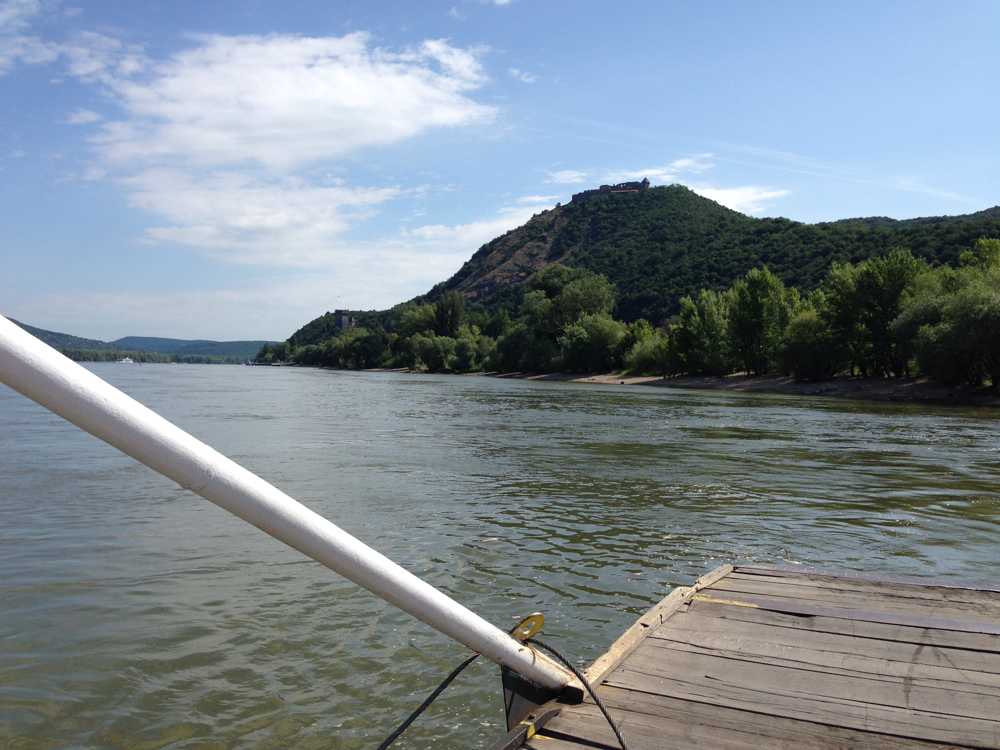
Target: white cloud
{"x":223,"y":140}
{"x":14,"y":14}
{"x":16,"y":153}
{"x":282,"y":101}
{"x":237,"y":217}
{"x":567,"y":176}
{"x":82,"y":116}
{"x":668,"y":173}
{"x":15,"y":17}
{"x":537,"y":199}
{"x":522,"y":75}
{"x":464,"y":239}
{"x":748,"y":199}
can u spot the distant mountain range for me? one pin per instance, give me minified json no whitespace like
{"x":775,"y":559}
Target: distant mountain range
{"x":177,"y":350}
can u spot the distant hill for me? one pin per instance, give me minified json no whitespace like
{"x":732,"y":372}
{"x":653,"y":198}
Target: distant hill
{"x":244,"y":349}
{"x":147,"y":348}
{"x":64,"y":340}
{"x":660,"y":244}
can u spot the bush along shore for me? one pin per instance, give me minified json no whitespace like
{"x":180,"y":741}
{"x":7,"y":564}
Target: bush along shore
{"x":885,"y":317}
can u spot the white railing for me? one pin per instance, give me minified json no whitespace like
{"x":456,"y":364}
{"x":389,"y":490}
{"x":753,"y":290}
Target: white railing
{"x":44,"y":375}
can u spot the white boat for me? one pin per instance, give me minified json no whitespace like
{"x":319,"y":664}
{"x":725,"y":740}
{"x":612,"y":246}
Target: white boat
{"x":126,"y":361}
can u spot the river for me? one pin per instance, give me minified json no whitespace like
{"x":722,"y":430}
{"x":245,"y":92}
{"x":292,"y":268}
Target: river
{"x":136,"y":615}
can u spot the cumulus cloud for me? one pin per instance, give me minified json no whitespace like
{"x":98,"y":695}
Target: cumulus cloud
{"x":224,"y":140}
{"x":567,"y":176}
{"x":281,"y":102}
{"x":748,"y":199}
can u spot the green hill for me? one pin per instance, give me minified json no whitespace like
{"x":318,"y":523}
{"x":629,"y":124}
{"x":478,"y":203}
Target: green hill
{"x":147,"y":348}
{"x":244,"y":349}
{"x":660,"y":244}
{"x":65,"y":340}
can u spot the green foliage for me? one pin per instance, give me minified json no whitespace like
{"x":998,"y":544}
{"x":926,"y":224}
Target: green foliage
{"x":436,"y":352}
{"x":963,"y":345}
{"x":590,"y":343}
{"x":759,"y":310}
{"x":564,"y":322}
{"x":699,"y":341}
{"x":862,"y":302}
{"x":417,"y":319}
{"x":650,"y":356}
{"x":984,"y":254}
{"x":449,"y":314}
{"x":270,"y":353}
{"x":809,"y":349}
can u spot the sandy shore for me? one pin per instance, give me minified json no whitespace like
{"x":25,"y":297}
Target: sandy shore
{"x":915,"y":390}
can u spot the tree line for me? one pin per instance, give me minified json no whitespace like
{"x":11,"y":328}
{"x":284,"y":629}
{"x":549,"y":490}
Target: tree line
{"x":893,"y":314}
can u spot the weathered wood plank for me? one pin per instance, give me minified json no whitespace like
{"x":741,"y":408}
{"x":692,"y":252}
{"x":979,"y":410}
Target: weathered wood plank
{"x":658,"y":722}
{"x":987,"y":643}
{"x":859,"y":599}
{"x":632,"y":637}
{"x":797,"y":607}
{"x":867,"y":705}
{"x":858,"y":665}
{"x":938,"y":595}
{"x":695,"y":629}
{"x":858,"y":575}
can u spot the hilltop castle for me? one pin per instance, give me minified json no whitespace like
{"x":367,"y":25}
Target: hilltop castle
{"x":621,"y":187}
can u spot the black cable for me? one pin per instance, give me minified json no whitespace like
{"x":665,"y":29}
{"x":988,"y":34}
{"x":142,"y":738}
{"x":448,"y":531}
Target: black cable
{"x":581,"y":678}
{"x":430,"y":699}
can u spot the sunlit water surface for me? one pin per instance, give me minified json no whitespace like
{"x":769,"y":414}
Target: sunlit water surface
{"x":134,"y":614}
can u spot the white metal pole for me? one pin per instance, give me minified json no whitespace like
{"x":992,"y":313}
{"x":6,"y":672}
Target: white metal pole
{"x":44,"y":375}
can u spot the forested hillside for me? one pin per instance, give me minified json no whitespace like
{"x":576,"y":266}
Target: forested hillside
{"x":661,"y":244}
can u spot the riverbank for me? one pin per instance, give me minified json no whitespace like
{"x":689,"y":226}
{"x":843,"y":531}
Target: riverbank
{"x":914,"y":389}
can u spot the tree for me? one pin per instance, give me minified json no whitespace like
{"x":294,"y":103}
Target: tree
{"x":699,"y":338}
{"x":651,"y":355}
{"x":449,"y":314}
{"x":862,"y":303}
{"x":436,"y":352}
{"x":589,"y":343}
{"x":809,"y":349}
{"x":760,"y":308}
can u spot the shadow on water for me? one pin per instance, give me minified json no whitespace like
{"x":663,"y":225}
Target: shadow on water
{"x":134,"y":615}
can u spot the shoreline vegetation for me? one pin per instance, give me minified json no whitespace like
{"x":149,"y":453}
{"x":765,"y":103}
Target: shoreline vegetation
{"x":891,"y":327}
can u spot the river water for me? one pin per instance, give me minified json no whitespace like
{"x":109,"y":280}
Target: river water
{"x":136,"y":615}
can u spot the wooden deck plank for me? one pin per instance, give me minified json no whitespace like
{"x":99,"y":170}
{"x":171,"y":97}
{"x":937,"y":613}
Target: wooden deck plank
{"x":832,"y":663}
{"x":859,"y":575}
{"x":860,"y":599}
{"x":867,"y":705}
{"x":984,"y":642}
{"x":868,"y":614}
{"x":663,"y":722}
{"x":889,"y":654}
{"x":929,"y":588}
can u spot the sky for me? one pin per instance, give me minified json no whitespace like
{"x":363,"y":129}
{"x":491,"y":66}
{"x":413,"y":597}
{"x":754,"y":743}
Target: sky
{"x":231,"y":170}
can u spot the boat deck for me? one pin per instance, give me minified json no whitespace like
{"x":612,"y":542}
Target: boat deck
{"x":783,"y":656}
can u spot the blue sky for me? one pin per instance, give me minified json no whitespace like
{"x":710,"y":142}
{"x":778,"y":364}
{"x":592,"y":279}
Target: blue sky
{"x":230,"y":170}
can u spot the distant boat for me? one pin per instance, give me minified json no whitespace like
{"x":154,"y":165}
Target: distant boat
{"x":126,"y":361}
